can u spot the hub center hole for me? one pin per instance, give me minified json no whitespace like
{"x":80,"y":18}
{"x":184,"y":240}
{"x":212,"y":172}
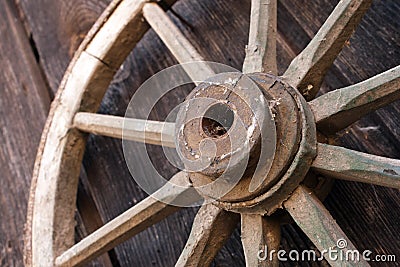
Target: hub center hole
{"x":217,"y":120}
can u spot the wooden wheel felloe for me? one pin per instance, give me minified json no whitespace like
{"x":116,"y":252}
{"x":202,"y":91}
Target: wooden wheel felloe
{"x":50,"y":232}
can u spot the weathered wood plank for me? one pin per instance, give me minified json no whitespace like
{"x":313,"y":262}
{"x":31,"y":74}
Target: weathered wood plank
{"x":24,"y":104}
{"x":63,"y":22}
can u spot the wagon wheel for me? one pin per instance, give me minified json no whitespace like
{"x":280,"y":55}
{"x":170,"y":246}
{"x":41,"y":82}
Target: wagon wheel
{"x":293,"y":118}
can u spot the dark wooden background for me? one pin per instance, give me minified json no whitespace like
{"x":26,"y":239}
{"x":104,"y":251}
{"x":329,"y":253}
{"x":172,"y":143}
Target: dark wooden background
{"x":38,"y":39}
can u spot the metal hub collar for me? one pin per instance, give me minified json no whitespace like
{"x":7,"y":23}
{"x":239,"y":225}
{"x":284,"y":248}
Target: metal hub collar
{"x":247,"y":140}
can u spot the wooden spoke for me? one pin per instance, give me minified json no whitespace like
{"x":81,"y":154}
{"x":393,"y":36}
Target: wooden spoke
{"x":338,"y":109}
{"x":316,"y":222}
{"x":261,"y":50}
{"x":308,"y":69}
{"x":260,"y":236}
{"x":176,"y":42}
{"x":150,"y":132}
{"x":346,"y":164}
{"x":136,"y":219}
{"x":52,"y":203}
{"x":212,"y":226}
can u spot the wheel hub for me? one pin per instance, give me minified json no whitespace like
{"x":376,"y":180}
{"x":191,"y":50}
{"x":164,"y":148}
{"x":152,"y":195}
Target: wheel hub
{"x":247,"y":140}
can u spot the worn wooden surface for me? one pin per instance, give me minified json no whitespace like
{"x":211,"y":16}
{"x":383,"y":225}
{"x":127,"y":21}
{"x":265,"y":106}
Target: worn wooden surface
{"x":23,"y":95}
{"x":146,"y":213}
{"x":218,"y":29}
{"x":261,"y":48}
{"x":260,"y":234}
{"x":150,"y":132}
{"x":307,"y":70}
{"x":317,"y":223}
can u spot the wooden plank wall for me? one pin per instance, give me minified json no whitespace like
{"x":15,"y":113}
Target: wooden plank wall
{"x":24,"y":103}
{"x":39,"y":37}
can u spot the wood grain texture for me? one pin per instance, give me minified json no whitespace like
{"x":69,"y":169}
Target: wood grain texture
{"x":58,"y":163}
{"x":316,"y":222}
{"x":308,"y":69}
{"x":25,"y":94}
{"x":89,"y":220}
{"x":338,"y":109}
{"x":373,"y":49}
{"x":260,"y":234}
{"x":176,"y":42}
{"x":342,"y":163}
{"x":58,"y":30}
{"x":366,"y":55}
{"x":24,"y":103}
{"x":261,"y":50}
{"x":146,"y":213}
{"x":146,"y":131}
{"x":211,"y":227}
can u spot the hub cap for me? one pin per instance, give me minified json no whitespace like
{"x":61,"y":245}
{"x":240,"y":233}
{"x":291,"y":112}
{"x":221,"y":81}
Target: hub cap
{"x":240,"y":137}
